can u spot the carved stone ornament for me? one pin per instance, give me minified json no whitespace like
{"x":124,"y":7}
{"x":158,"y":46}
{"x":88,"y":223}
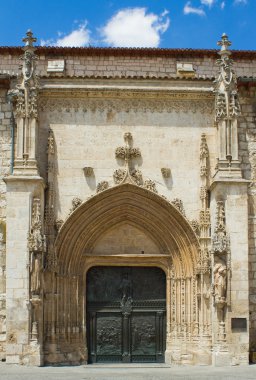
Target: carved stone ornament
{"x":220,"y":240}
{"x":166,"y":172}
{"x":204,"y":152}
{"x":37,"y":247}
{"x":36,"y":240}
{"x":76,"y":202}
{"x":88,"y":171}
{"x":24,"y":95}
{"x":179,"y":205}
{"x":195,"y":226}
{"x":104,"y":185}
{"x":150,"y":185}
{"x":220,"y":283}
{"x":137,"y":176}
{"x":119,"y":175}
{"x":50,"y":143}
{"x":127,"y":153}
{"x":205,"y":220}
{"x":58,"y":224}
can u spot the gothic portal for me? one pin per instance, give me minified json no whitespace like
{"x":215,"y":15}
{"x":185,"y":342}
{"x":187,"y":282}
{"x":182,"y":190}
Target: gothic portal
{"x":127,"y":194}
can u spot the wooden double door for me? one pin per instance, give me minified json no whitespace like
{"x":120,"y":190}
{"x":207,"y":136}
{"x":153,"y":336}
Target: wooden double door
{"x":126,"y":314}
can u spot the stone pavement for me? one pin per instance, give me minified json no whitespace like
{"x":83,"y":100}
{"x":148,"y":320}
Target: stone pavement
{"x":131,"y":372}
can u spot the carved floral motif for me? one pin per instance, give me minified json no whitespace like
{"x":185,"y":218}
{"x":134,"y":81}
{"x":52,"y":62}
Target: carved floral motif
{"x":150,"y":185}
{"x":76,"y":202}
{"x":104,"y":185}
{"x":119,"y":175}
{"x":137,"y":176}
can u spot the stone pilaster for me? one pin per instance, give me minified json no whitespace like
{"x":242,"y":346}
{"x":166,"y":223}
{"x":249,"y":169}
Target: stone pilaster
{"x":230,"y":285}
{"x":23,"y":346}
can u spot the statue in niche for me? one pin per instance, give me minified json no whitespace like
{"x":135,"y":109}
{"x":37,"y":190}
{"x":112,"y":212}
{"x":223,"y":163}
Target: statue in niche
{"x":35,"y":273}
{"x":220,"y":282}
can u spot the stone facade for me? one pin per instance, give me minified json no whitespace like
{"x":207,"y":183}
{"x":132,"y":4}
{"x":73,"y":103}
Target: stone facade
{"x":115,"y":157}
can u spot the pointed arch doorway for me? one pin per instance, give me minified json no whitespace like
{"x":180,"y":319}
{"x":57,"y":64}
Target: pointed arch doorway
{"x":126,"y":314}
{"x":125,"y":227}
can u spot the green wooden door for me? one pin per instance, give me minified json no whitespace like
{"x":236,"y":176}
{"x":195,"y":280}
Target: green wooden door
{"x":126,"y":314}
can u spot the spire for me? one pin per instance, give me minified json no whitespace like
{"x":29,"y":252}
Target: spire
{"x":227,"y":111}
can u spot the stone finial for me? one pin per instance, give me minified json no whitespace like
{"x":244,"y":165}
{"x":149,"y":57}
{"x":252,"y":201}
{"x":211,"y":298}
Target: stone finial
{"x":29,"y":39}
{"x":224,"y":43}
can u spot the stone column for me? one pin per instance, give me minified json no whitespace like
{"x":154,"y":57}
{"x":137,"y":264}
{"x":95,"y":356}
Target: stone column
{"x":230,"y":258}
{"x":20,"y":193}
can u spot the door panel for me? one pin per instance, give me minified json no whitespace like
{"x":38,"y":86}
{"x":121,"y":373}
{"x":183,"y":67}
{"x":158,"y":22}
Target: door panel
{"x":126,"y":314}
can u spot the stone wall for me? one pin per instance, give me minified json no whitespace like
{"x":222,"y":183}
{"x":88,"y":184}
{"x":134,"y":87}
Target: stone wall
{"x":5,"y":148}
{"x":116,"y":65}
{"x":248,"y":154}
{"x":167,"y":134}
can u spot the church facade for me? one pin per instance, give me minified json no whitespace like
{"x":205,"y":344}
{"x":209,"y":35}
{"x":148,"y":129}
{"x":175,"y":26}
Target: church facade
{"x":128,"y":192}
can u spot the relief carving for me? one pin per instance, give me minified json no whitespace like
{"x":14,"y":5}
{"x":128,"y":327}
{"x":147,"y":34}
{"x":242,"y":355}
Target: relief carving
{"x":37,"y":247}
{"x":220,"y":282}
{"x":150,"y":185}
{"x":104,"y":185}
{"x":179,"y":205}
{"x":76,"y":202}
{"x":90,"y":101}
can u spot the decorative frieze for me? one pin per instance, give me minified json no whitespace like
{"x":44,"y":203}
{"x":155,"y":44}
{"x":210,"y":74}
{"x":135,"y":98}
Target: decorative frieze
{"x":138,"y":103}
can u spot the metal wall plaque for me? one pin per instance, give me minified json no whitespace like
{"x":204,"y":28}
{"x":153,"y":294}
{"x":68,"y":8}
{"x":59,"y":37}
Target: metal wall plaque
{"x":239,"y":324}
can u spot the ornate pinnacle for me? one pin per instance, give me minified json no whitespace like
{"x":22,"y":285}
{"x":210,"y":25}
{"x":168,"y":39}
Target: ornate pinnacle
{"x":224,"y":43}
{"x":30,"y":39}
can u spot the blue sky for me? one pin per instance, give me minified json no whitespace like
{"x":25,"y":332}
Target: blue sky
{"x":130,"y":23}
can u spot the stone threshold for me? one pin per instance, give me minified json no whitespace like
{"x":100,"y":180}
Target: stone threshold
{"x":128,"y":365}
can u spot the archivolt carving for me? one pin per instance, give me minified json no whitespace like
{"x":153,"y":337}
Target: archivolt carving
{"x":123,"y":203}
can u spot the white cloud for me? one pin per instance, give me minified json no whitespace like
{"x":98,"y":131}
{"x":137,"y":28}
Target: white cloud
{"x":222,"y":5}
{"x":134,"y":27}
{"x":207,"y":2}
{"x":240,"y":2}
{"x":189,"y":9}
{"x":78,"y":37}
